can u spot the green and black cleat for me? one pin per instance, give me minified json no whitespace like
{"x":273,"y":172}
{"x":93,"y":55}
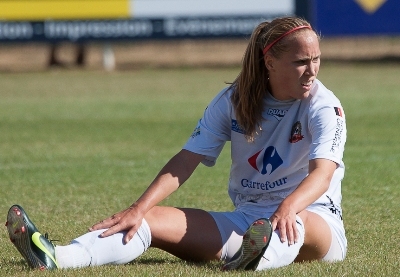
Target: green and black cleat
{"x":255,"y":242}
{"x":36,"y":249}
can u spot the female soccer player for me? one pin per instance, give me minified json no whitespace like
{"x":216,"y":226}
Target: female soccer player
{"x":287,"y":133}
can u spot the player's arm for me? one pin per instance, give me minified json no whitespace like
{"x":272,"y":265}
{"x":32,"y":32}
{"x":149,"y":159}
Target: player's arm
{"x":170,"y":178}
{"x":309,"y":190}
{"x":177,"y":170}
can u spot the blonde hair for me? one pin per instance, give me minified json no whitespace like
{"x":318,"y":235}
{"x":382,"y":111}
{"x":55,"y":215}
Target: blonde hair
{"x":250,"y":86}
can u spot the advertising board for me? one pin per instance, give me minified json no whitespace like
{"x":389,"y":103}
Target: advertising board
{"x":83,"y":20}
{"x":356,"y":17}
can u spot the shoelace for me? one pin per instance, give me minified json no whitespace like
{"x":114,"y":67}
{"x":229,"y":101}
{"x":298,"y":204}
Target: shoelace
{"x":46,"y":236}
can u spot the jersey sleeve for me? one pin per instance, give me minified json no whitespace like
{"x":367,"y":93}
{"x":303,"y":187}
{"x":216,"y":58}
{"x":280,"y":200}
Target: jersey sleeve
{"x":328,"y":131}
{"x":212,"y":130}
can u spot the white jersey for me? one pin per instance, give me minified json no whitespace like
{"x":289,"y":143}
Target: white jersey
{"x":267,"y":170}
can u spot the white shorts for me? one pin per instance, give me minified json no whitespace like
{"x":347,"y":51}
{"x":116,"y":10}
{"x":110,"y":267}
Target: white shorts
{"x":232,"y":226}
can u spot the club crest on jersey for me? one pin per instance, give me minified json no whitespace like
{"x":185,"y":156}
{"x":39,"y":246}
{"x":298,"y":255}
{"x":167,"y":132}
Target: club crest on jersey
{"x":295,"y":135}
{"x":268,"y":161}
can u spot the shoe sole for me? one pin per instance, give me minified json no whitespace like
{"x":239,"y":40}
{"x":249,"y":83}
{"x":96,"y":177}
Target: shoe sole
{"x":20,"y":237}
{"x":255,"y":242}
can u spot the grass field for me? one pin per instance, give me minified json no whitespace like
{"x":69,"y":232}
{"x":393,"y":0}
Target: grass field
{"x":78,"y":146}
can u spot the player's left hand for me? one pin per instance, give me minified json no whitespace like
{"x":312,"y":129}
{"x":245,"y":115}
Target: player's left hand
{"x":284,"y":219}
{"x":128,"y":220}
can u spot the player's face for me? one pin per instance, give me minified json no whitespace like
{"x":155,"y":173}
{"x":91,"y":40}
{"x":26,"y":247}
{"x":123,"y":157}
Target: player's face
{"x":292,"y":74}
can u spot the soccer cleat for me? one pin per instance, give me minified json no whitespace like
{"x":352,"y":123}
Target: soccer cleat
{"x":255,"y":242}
{"x":36,"y":249}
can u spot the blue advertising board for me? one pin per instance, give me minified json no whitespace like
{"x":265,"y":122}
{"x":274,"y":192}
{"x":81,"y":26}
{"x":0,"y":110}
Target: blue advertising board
{"x":129,"y":29}
{"x":356,"y":17}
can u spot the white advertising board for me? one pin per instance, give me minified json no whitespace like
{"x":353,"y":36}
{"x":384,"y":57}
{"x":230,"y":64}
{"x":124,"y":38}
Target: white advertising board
{"x":188,"y":8}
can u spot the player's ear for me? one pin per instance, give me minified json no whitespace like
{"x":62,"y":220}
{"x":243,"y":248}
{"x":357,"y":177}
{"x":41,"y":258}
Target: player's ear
{"x":269,"y":62}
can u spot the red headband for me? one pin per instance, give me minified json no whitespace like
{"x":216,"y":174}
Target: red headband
{"x":284,"y":35}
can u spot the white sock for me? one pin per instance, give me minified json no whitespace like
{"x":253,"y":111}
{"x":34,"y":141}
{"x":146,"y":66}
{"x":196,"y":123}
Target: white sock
{"x":91,"y":250}
{"x":280,"y":254}
{"x":72,"y":256}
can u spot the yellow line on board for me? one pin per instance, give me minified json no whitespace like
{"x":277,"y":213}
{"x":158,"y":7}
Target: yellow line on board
{"x":63,"y":9}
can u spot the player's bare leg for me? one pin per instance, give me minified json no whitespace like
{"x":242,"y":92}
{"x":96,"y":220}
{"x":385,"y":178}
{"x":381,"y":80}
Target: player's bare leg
{"x":317,"y":238}
{"x":190,"y":234}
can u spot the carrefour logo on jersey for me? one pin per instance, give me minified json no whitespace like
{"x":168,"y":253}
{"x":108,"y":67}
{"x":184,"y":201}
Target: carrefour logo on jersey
{"x":266,"y":161}
{"x":263,"y":186}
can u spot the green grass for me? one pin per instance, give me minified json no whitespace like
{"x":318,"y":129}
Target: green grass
{"x":78,"y":146}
